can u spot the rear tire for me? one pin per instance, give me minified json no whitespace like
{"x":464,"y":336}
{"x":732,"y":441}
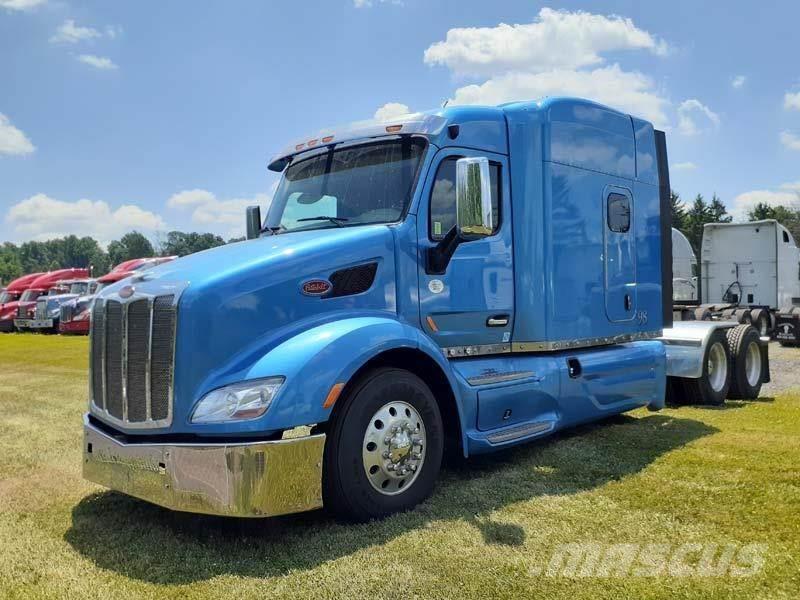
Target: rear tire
{"x":761,"y":321}
{"x":357,"y":482}
{"x":714,"y":382}
{"x":747,"y":361}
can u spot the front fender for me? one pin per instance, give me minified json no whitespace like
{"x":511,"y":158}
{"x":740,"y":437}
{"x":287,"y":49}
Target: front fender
{"x":317,"y":359}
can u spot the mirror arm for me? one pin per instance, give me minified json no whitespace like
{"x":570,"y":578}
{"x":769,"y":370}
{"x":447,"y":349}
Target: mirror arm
{"x":439,"y":255}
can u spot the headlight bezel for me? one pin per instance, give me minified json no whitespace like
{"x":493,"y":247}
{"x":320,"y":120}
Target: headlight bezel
{"x":237,"y":402}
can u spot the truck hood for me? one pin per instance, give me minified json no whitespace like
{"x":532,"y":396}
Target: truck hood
{"x":240,"y":300}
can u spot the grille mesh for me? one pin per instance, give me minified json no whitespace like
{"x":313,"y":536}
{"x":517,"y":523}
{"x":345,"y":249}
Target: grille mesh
{"x":128,"y":341}
{"x":65,"y":314}
{"x":41,"y":310}
{"x":353,"y":280}
{"x":138,"y":337}
{"x":98,"y":336}
{"x":162,"y":354}
{"x":114,"y":329}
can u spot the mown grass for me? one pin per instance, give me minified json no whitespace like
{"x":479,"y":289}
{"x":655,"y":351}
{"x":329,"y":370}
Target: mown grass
{"x":684,"y":475}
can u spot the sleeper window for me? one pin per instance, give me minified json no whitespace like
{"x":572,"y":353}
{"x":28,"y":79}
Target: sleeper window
{"x":443,"y":197}
{"x":619,"y":213}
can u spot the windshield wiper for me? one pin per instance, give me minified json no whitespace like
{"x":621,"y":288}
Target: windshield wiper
{"x":338,"y":221}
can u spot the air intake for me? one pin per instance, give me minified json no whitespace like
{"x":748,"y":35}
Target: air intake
{"x":353,"y":280}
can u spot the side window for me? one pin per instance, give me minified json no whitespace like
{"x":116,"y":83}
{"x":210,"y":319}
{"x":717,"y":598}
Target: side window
{"x":443,"y":197}
{"x":619,"y":213}
{"x":785,"y":237}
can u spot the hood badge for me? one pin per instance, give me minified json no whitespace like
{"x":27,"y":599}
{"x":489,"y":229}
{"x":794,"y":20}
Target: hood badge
{"x":127,"y":291}
{"x":316,"y":287}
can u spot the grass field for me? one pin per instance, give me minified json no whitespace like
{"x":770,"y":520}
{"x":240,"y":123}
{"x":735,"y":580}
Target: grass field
{"x":681,"y":476}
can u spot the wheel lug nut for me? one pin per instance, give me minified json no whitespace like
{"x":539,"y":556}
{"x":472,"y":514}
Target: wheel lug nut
{"x":386,"y":440}
{"x":413,"y":467}
{"x":390,"y":467}
{"x":385,"y":454}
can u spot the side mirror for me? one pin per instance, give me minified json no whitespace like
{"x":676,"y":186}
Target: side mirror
{"x":253,"y":218}
{"x":473,"y":198}
{"x":474,"y":218}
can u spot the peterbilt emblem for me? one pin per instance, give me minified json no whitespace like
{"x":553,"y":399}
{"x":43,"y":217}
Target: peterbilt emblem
{"x":316,"y":287}
{"x":127,"y":291}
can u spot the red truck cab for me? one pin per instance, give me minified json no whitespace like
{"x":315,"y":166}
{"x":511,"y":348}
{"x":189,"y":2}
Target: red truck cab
{"x":9,"y":300}
{"x":40,"y":287}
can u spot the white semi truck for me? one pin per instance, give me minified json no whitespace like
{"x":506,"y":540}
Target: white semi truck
{"x":684,"y":270}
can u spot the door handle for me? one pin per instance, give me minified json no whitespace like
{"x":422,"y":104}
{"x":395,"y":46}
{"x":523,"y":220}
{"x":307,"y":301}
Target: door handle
{"x":497,"y":321}
{"x":627,"y":302}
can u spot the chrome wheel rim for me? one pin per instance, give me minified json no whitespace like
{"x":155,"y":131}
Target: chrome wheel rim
{"x":752,"y":364}
{"x":394,"y":448}
{"x":764,"y":327}
{"x":717,"y":367}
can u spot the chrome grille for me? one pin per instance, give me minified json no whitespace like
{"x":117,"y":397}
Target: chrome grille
{"x":65,"y":313}
{"x":41,"y":310}
{"x":21,"y":312}
{"x":132,"y":356}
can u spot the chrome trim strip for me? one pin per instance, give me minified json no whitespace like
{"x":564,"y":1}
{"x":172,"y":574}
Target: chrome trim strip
{"x":490,"y":378}
{"x":480,"y":350}
{"x":583,"y":343}
{"x":245,"y":479}
{"x":103,"y":353}
{"x":124,"y":358}
{"x":148,"y":396}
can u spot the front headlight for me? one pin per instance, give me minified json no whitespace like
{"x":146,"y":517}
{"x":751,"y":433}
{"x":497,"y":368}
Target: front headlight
{"x":237,"y":402}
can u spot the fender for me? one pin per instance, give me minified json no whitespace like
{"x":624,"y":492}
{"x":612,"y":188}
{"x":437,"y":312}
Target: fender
{"x":318,"y":358}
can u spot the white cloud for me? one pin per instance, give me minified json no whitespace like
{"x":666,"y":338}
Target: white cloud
{"x":688,"y":113}
{"x":738,"y":81}
{"x":41,"y":217}
{"x":98,"y":62}
{"x":631,"y":92}
{"x":20,"y":4}
{"x":790,"y":140}
{"x":12,"y":140}
{"x":791,"y":101}
{"x":223,"y":217}
{"x":684,"y":166}
{"x":70,"y":33}
{"x":792,"y":187}
{"x":555,"y":40}
{"x":743,"y":203}
{"x":391,"y":110}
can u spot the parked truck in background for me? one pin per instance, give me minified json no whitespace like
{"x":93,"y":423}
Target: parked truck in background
{"x":458,"y":281}
{"x":25,"y":317}
{"x":684,"y":270}
{"x":74,"y":313}
{"x":9,"y":300}
{"x":47,"y":311}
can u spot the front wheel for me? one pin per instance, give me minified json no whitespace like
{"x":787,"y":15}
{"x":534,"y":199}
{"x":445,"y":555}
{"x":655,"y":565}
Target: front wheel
{"x":384,"y":447}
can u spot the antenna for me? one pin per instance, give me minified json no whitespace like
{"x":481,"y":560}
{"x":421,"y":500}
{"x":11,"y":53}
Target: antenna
{"x":444,"y":104}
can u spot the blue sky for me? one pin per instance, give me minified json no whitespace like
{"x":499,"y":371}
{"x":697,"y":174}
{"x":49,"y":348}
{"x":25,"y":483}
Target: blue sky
{"x":161,"y":115}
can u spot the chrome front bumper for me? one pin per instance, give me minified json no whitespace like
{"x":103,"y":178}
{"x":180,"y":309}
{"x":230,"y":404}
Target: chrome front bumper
{"x":253,"y":479}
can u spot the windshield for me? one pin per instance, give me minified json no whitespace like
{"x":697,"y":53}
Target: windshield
{"x":8,"y":297}
{"x":354,"y":185}
{"x":79,"y":288}
{"x":30,"y":295}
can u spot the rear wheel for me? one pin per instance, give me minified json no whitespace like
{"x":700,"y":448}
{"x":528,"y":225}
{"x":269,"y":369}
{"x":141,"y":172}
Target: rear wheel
{"x":761,"y":321}
{"x":747,"y":360}
{"x":714,"y":382}
{"x":384,"y":447}
{"x":743,"y":316}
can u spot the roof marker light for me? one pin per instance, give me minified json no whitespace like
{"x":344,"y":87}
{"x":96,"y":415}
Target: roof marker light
{"x":311,"y":143}
{"x":299,"y":146}
{"x":327,"y":139}
{"x":393,"y":128}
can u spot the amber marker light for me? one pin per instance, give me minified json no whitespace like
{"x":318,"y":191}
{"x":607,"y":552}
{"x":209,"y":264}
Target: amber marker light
{"x":393,"y":128}
{"x":327,"y":139}
{"x":432,"y":324}
{"x":333,"y":395}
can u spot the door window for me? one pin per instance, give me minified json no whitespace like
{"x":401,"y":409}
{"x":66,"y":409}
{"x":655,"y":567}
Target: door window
{"x":443,"y":197}
{"x":619,"y":213}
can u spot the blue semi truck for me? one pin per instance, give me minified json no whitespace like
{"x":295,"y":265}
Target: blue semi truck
{"x":458,"y":281}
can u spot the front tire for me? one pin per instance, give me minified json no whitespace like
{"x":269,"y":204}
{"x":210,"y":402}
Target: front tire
{"x":384,"y":447}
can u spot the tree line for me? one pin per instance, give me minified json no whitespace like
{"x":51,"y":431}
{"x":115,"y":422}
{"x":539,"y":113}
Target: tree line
{"x":86,"y":252}
{"x":690,"y":219}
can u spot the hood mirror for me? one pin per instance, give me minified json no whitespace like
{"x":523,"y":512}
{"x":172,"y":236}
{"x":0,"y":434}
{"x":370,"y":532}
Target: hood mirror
{"x":253,"y":219}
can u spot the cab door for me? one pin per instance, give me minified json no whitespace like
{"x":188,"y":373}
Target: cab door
{"x":472,"y":302}
{"x":619,"y":254}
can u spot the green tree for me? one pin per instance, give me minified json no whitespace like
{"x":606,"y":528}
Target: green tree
{"x":718,"y":212}
{"x":696,"y":217}
{"x":678,"y":210}
{"x":129,"y":246}
{"x":179,"y":243}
